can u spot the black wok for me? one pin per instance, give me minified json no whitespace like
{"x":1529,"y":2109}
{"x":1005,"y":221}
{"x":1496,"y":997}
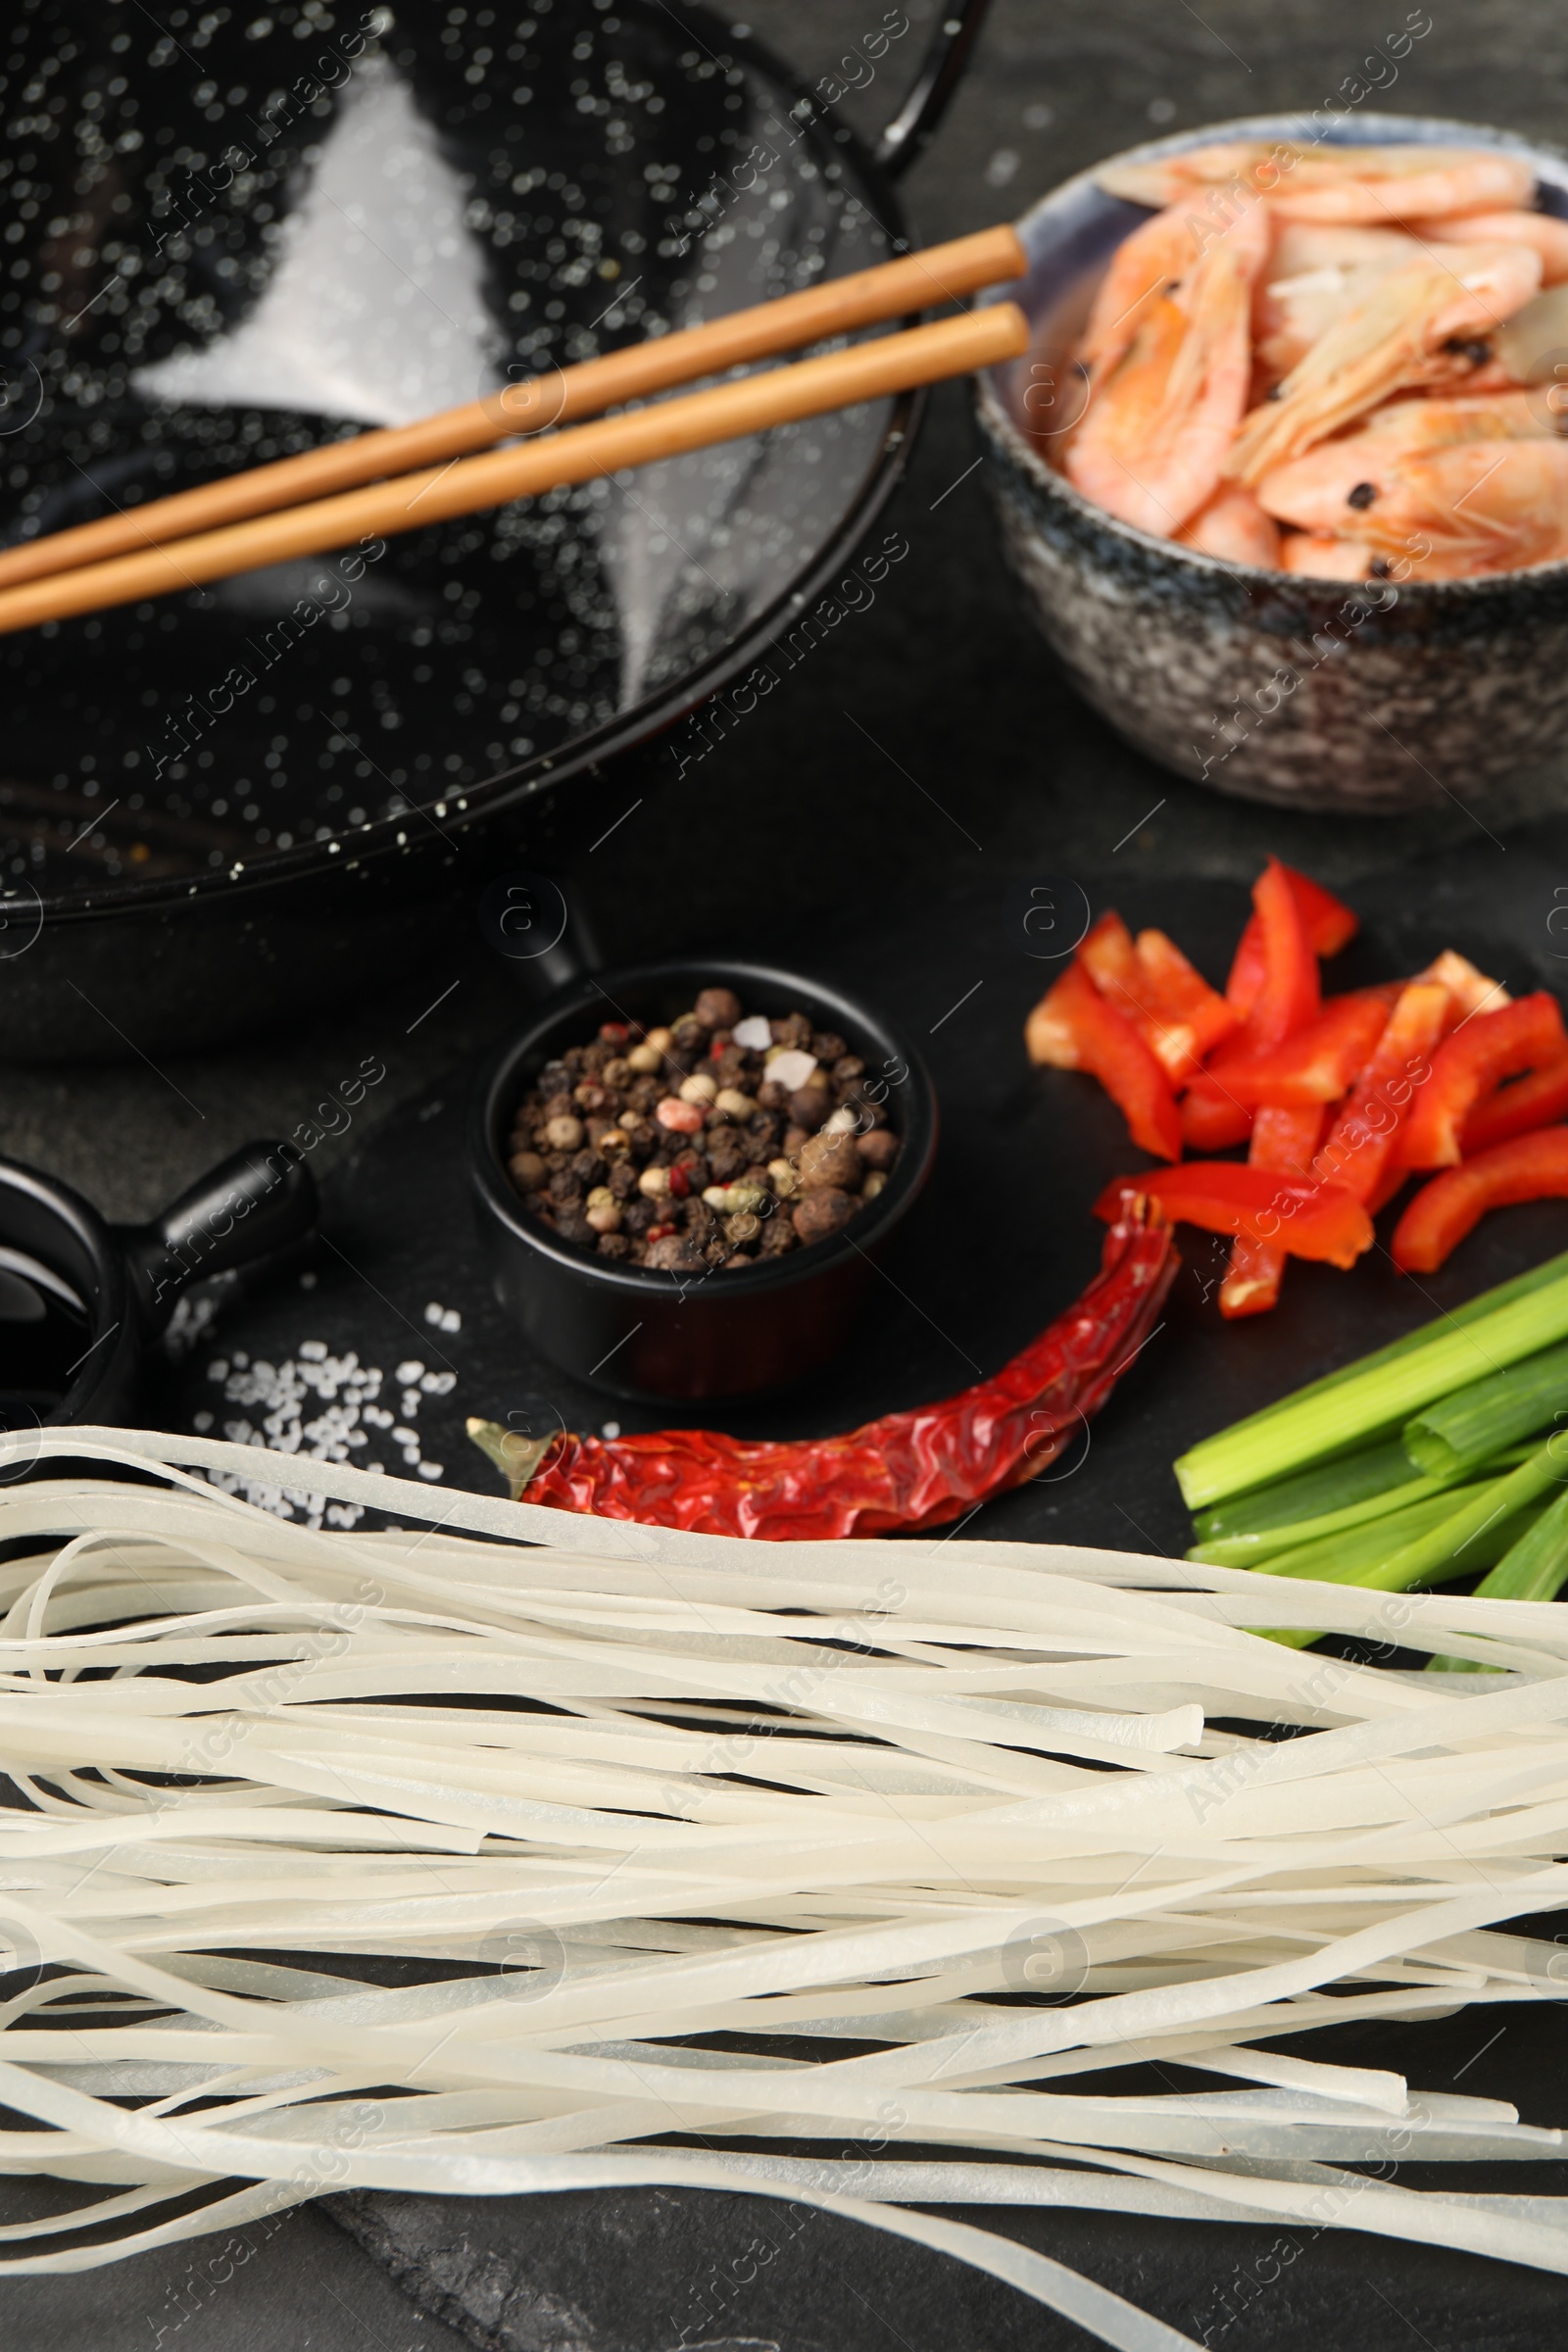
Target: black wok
{"x":224,"y":241}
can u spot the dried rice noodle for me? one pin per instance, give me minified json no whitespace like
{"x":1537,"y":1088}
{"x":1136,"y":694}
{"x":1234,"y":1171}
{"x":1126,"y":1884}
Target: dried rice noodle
{"x":624,"y":1790}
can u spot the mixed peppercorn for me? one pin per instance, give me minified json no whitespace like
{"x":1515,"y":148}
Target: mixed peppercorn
{"x":723,"y":1140}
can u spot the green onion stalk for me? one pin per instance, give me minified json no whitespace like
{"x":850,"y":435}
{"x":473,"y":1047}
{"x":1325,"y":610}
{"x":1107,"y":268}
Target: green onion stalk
{"x":1421,"y":1464}
{"x":1377,"y":1396}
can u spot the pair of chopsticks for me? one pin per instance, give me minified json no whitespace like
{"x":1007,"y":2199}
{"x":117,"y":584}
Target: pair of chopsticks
{"x":306,"y":506}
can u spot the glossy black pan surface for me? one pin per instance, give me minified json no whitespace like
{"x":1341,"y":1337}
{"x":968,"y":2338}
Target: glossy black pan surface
{"x":237,"y":235}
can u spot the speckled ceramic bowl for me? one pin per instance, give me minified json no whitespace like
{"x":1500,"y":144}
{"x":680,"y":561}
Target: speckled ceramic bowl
{"x":1314,"y":694}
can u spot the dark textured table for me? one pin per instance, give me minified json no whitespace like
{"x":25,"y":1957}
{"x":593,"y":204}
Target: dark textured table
{"x":920,"y":757}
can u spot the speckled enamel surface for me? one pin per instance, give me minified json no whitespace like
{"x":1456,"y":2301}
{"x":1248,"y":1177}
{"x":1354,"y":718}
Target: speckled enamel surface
{"x":1314,"y":694}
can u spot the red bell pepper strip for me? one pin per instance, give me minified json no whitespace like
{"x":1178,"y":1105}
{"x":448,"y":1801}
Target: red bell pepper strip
{"x":1289,"y":997}
{"x":1212,"y":1118}
{"x":1184,"y":1000}
{"x":1152,"y":984}
{"x":1537,"y":1100}
{"x":914,"y":1469}
{"x":1318,"y":1062}
{"x":1330,"y":925}
{"x":1074,"y":1028}
{"x":1306,"y":1218}
{"x":1170,"y":1004}
{"x":1528,"y":1167}
{"x":1483,"y":1051}
{"x":1283,"y":1138}
{"x":1108,"y":953}
{"x":1470,"y":989}
{"x":1286,"y":1000}
{"x":1359,"y":1151}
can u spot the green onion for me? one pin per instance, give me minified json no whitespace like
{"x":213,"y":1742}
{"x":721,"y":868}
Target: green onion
{"x":1450,"y":1544}
{"x":1384,"y":1390}
{"x":1467,"y":1427}
{"x":1352,"y":1558}
{"x":1502,"y":1294}
{"x":1353,"y":1479}
{"x":1474,"y":1535}
{"x":1535,"y":1568}
{"x":1252,"y":1548}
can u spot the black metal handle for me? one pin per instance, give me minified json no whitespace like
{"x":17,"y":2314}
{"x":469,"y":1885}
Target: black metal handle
{"x":541,"y":929}
{"x":258,"y":1206}
{"x":941,"y":72}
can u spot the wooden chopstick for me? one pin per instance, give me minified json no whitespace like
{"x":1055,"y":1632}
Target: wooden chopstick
{"x":840,"y":379}
{"x":870,"y":297}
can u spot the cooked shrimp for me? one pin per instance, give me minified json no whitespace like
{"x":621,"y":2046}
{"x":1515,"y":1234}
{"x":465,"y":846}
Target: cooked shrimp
{"x":1481,"y":506}
{"x":1160,"y":419}
{"x":1315,"y":274}
{"x":1542,"y":230}
{"x":1394,"y":337}
{"x":1320,"y":558}
{"x":1379,"y":184}
{"x":1234,"y":527}
{"x":1334,"y":485}
{"x":1154,"y":260}
{"x":1486,"y":416}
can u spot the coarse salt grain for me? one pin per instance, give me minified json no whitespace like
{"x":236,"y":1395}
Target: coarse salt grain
{"x":791,"y":1068}
{"x":319,"y":1406}
{"x":753,"y":1033}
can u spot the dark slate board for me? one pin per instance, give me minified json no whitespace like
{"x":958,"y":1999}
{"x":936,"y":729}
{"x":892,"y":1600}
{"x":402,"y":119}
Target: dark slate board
{"x":1001,"y":1240}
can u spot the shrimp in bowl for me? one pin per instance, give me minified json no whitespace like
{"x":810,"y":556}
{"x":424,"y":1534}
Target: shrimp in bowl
{"x":1317,"y":556}
{"x":1285,"y":306}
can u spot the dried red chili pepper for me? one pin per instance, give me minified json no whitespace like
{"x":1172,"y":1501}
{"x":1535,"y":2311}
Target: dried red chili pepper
{"x":910,"y":1470}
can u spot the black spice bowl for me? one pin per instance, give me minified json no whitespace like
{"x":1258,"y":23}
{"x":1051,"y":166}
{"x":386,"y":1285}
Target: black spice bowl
{"x":641,"y":1332}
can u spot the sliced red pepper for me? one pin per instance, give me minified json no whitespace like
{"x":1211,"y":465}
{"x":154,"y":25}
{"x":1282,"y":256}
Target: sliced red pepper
{"x":1470,"y":989}
{"x":1359,"y":1151}
{"x":1109,"y":956}
{"x":1212,"y":1118}
{"x":1306,"y":1219}
{"x":1483,"y":1051}
{"x":1194,"y":1010}
{"x":1286,"y":1000}
{"x":1290,"y":995}
{"x":1284,"y":1139}
{"x":1528,"y":1167}
{"x":1319,"y":1062}
{"x":1074,"y":1028}
{"x":1170,"y":1002}
{"x":1330,"y":926}
{"x":1537,"y":1100}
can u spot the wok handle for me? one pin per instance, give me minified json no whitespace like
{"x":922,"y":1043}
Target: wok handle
{"x":256,"y":1206}
{"x":942,"y":70}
